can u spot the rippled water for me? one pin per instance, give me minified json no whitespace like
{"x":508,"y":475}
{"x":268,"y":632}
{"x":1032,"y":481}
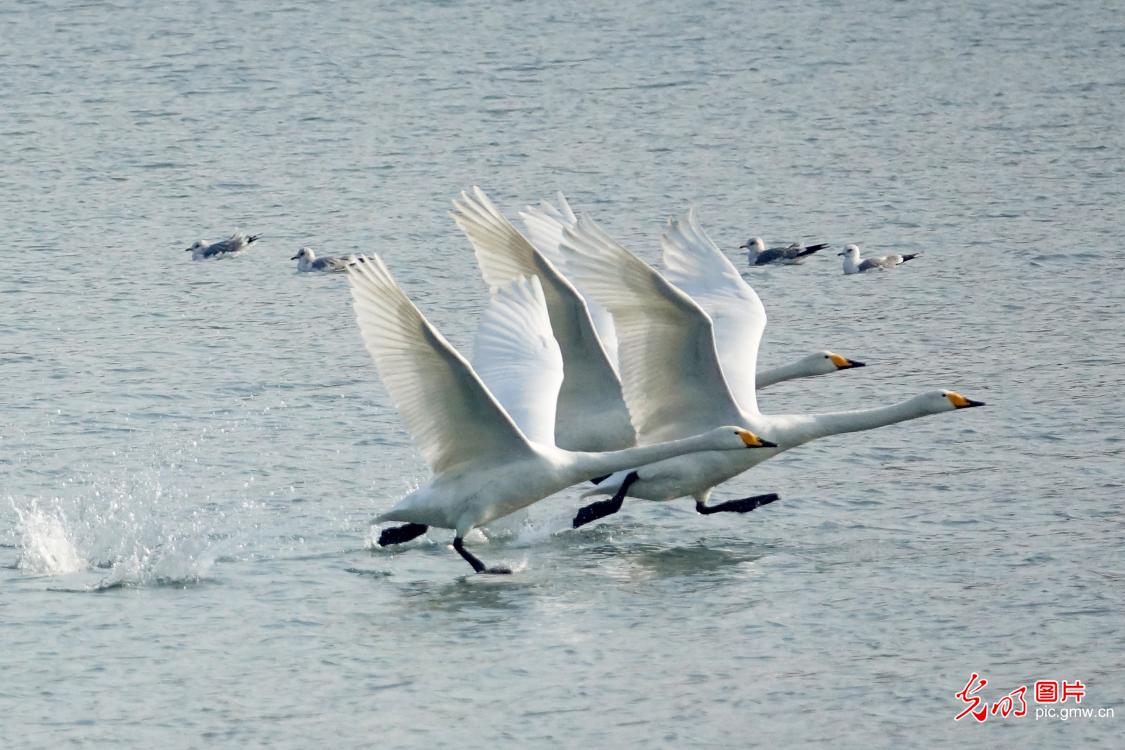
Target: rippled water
{"x":192,"y":451}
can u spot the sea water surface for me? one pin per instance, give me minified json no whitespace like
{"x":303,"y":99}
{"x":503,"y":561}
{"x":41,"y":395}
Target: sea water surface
{"x":192,"y":452}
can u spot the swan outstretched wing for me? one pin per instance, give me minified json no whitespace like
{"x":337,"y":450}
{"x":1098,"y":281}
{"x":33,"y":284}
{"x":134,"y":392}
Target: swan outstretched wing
{"x":697,"y":266}
{"x":518,"y":359}
{"x":545,"y":225}
{"x":590,"y":397}
{"x":449,"y":412}
{"x":670,"y":371}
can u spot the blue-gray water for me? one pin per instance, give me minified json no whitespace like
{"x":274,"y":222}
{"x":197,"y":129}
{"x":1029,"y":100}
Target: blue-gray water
{"x":191,"y":451}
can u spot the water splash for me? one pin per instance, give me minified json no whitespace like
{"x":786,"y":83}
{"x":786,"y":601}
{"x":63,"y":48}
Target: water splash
{"x":130,"y":528}
{"x":46,"y":545}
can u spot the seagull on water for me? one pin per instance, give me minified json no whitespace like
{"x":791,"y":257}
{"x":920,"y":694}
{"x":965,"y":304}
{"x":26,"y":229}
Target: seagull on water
{"x":233,"y":245}
{"x":854,"y":264}
{"x":760,"y":255}
{"x":308,"y":262}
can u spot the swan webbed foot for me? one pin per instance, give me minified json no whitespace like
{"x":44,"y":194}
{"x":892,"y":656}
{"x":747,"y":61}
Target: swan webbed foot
{"x":603,"y":508}
{"x":745,"y":505}
{"x":400,"y":534}
{"x":473,"y":560}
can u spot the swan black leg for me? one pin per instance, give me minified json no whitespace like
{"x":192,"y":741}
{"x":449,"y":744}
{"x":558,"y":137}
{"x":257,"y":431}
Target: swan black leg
{"x":473,"y":560}
{"x":745,"y":505}
{"x":603,"y":508}
{"x":400,"y":534}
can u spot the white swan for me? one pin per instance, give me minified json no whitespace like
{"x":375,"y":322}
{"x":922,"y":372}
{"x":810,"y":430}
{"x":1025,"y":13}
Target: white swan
{"x":591,"y":413}
{"x":233,"y":245}
{"x":674,"y":375}
{"x":484,"y":466}
{"x":792,"y":255}
{"x":307,"y":262}
{"x":545,"y":225}
{"x":854,"y":264}
{"x":818,"y":363}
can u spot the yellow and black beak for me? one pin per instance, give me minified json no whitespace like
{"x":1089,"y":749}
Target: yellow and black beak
{"x":843,"y":363}
{"x":753,"y":441}
{"x":960,"y":402}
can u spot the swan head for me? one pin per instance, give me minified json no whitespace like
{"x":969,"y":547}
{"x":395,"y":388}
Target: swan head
{"x":960,"y":402}
{"x":935,"y":402}
{"x":304,"y":252}
{"x":732,"y":438}
{"x":852,"y":251}
{"x":823,"y":363}
{"x":754,"y":244}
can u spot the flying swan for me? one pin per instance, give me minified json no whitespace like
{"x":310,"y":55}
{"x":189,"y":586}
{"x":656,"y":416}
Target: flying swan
{"x":591,"y":413}
{"x":484,"y":466}
{"x":688,"y":361}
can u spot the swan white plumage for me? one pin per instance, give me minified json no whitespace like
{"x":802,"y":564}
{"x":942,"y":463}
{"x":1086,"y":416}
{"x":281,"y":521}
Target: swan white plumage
{"x":545,"y":225}
{"x":854,"y":264}
{"x":674,"y":375}
{"x":591,"y":413}
{"x":484,"y":466}
{"x":817,"y":363}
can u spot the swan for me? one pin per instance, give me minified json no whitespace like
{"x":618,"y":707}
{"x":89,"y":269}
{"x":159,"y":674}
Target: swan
{"x":484,"y":466}
{"x":233,"y":245}
{"x":817,"y":363}
{"x":853,"y":263}
{"x":674,"y":373}
{"x":591,"y":413}
{"x":307,"y":262}
{"x":792,"y":255}
{"x":545,"y":225}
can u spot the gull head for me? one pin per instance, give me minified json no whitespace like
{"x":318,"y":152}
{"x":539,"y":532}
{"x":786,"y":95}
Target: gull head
{"x":304,"y":252}
{"x":197,"y":245}
{"x":757,"y":244}
{"x":851,"y":251}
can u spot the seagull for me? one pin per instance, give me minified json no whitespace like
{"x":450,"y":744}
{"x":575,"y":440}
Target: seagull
{"x":791,"y":255}
{"x":233,"y":245}
{"x":308,"y":262}
{"x":853,"y":264}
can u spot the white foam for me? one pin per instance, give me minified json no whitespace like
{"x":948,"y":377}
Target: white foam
{"x":47,"y":546}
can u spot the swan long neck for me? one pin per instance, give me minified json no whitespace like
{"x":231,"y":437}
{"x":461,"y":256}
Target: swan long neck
{"x":766,"y":378}
{"x":794,"y":430}
{"x":589,"y":465}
